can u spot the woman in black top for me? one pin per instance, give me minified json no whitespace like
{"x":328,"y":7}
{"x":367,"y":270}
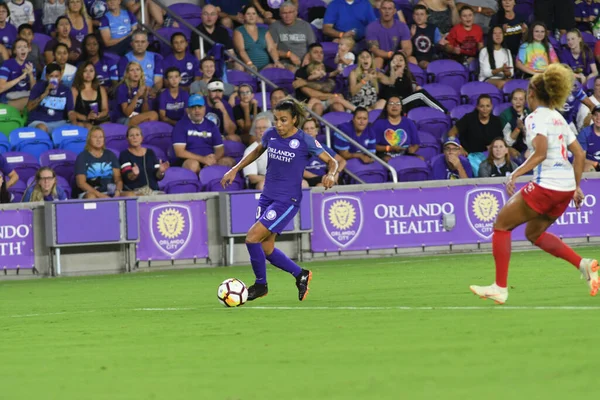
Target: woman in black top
{"x":140,"y":168}
{"x":400,"y":83}
{"x":90,"y":98}
{"x":4,"y":194}
{"x":513,"y":25}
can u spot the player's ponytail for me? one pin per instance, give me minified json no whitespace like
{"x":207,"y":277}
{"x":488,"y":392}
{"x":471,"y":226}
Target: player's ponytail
{"x":296,"y":109}
{"x":553,"y":86}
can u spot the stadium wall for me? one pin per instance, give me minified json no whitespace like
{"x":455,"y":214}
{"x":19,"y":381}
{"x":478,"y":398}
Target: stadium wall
{"x":197,"y":241}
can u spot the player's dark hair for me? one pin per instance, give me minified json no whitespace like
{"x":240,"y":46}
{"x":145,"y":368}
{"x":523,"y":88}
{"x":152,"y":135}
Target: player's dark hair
{"x":420,"y":7}
{"x":490,"y":46}
{"x":313,"y":45}
{"x":171,"y":69}
{"x":23,"y":27}
{"x":5,"y":6}
{"x":173,"y":36}
{"x":277,"y":90}
{"x":60,"y":19}
{"x":58,"y":46}
{"x":384,"y":112}
{"x":295,"y":108}
{"x":484,"y":96}
{"x":359,"y":109}
{"x":52,"y":67}
{"x":465,"y":8}
{"x":518,"y":90}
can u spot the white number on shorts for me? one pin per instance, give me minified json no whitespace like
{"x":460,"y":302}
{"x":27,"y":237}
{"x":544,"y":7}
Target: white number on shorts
{"x":258,"y":212}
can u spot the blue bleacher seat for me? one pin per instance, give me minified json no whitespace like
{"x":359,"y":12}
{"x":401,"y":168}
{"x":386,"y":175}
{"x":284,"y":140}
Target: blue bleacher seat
{"x":30,"y":140}
{"x":70,"y":137}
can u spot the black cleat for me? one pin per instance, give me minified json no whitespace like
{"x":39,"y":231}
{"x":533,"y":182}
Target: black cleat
{"x":302,"y":282}
{"x":257,"y":290}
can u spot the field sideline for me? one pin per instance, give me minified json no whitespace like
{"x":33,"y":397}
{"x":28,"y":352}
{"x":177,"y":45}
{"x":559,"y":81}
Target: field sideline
{"x":389,"y":328}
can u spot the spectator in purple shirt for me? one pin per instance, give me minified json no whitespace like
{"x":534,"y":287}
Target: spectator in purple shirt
{"x":579,"y":57}
{"x":132,"y":97}
{"x":50,"y":103}
{"x":45,"y":188}
{"x":314,"y":173}
{"x":63,"y":35}
{"x":361,"y":132}
{"x":197,"y":141}
{"x":106,"y":68}
{"x":395,"y":135}
{"x":586,"y":14}
{"x":188,"y":65}
{"x":17,"y":76}
{"x":172,"y":101}
{"x":10,"y":175}
{"x":219,"y":111}
{"x":452,"y":165}
{"x":387,"y":35}
{"x":8,"y":32}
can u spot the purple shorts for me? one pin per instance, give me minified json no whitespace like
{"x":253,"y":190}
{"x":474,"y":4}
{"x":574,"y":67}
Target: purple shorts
{"x":275,"y":215}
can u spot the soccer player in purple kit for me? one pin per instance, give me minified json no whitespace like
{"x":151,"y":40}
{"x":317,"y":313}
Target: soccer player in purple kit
{"x":289,"y":150}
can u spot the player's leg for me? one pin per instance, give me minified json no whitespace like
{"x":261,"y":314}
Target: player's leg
{"x":254,"y":238}
{"x":516,"y":212}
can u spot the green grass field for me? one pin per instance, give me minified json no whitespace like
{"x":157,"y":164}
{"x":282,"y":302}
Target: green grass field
{"x":390,"y":328}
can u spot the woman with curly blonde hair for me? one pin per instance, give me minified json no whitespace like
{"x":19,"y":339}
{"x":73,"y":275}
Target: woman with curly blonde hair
{"x":132,"y":97}
{"x":556,"y":182}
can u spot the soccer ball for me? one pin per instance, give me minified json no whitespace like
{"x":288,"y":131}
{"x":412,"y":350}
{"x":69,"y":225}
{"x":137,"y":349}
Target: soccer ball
{"x":232,"y":293}
{"x":97,"y":9}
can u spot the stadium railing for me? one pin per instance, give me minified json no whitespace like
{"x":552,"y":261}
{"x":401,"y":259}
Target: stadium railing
{"x":263,"y":87}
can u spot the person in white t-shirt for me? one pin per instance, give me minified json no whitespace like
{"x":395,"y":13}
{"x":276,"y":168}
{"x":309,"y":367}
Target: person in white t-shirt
{"x":21,"y":12}
{"x":255,"y":172}
{"x":555,"y":183}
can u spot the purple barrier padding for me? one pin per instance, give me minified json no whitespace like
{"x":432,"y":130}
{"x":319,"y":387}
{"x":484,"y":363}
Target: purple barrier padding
{"x":16,"y":239}
{"x":173,"y":231}
{"x":385,"y":219}
{"x":131,"y":212}
{"x":74,"y":219}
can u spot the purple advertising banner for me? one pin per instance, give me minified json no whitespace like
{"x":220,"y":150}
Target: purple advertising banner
{"x":16,"y":239}
{"x":385,"y":219}
{"x":173,"y":231}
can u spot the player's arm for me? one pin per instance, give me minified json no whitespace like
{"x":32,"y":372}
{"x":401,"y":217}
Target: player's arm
{"x":540,"y":146}
{"x":578,"y":160}
{"x":244,"y":162}
{"x":332,"y":169}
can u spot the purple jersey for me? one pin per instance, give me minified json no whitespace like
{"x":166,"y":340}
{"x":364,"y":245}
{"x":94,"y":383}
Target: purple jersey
{"x":174,"y":107}
{"x":440,"y":170}
{"x":585,"y":10}
{"x":106,"y":71}
{"x":216,"y":116}
{"x":124,"y":95}
{"x":404,"y":134}
{"x":590,"y":143}
{"x":79,"y":34}
{"x":367,"y":139}
{"x":54,"y":107}
{"x":288,"y":157}
{"x":10,"y":70}
{"x":578,"y":65}
{"x":571,"y":107}
{"x":200,"y":139}
{"x":389,"y":39}
{"x":189,"y":67}
{"x":8,"y":35}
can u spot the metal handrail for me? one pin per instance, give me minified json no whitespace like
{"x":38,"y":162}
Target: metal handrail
{"x":263,"y":82}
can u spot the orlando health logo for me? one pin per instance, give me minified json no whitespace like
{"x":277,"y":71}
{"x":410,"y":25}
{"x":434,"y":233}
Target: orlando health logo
{"x":481,"y":208}
{"x":171,"y":227}
{"x":342,"y":219}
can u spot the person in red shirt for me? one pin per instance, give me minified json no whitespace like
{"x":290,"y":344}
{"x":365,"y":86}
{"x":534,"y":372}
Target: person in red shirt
{"x":465,"y":39}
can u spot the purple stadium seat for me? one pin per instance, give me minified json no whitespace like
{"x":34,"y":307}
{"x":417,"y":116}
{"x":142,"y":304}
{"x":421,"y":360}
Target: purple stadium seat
{"x":430,"y":145}
{"x":330,"y":50}
{"x":431,"y":120}
{"x":500,"y":107}
{"x":61,"y":161}
{"x":160,"y":153}
{"x":179,"y":180}
{"x":165,"y":49}
{"x":70,"y":137}
{"x":186,"y":10}
{"x":236,"y":78}
{"x":4,"y":144}
{"x":116,"y":136}
{"x":210,"y":179}
{"x":444,"y":94}
{"x":337,"y":117}
{"x":281,"y":77}
{"x":193,"y":21}
{"x":473,"y":69}
{"x":60,"y":181}
{"x":370,"y":173}
{"x":305,"y":5}
{"x":114,"y":57}
{"x":259,"y":99}
{"x":25,"y":164}
{"x":523,"y":8}
{"x":448,"y":72}
{"x":588,"y":39}
{"x":41,"y":40}
{"x":373,"y":115}
{"x":17,"y":190}
{"x":555,"y":43}
{"x":472,"y":90}
{"x":460,"y":111}
{"x":30,"y":140}
{"x":157,"y":133}
{"x":234,"y":150}
{"x":410,"y":169}
{"x":318,"y":33}
{"x":116,"y":152}
{"x":418,"y":73}
{"x":589,"y":87}
{"x":513,"y":84}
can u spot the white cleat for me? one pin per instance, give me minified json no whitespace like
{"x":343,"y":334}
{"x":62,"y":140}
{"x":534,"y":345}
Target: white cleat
{"x":492,"y":292}
{"x":589,"y":270}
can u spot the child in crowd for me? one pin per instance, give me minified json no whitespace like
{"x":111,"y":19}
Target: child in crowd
{"x":172,"y":101}
{"x":345,"y":56}
{"x":35,"y":55}
{"x":21,"y":12}
{"x":50,"y":13}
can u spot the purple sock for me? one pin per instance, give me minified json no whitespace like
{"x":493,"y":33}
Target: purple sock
{"x":281,"y":261}
{"x":258,"y":261}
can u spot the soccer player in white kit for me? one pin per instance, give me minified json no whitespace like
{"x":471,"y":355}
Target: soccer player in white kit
{"x":555,"y":183}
